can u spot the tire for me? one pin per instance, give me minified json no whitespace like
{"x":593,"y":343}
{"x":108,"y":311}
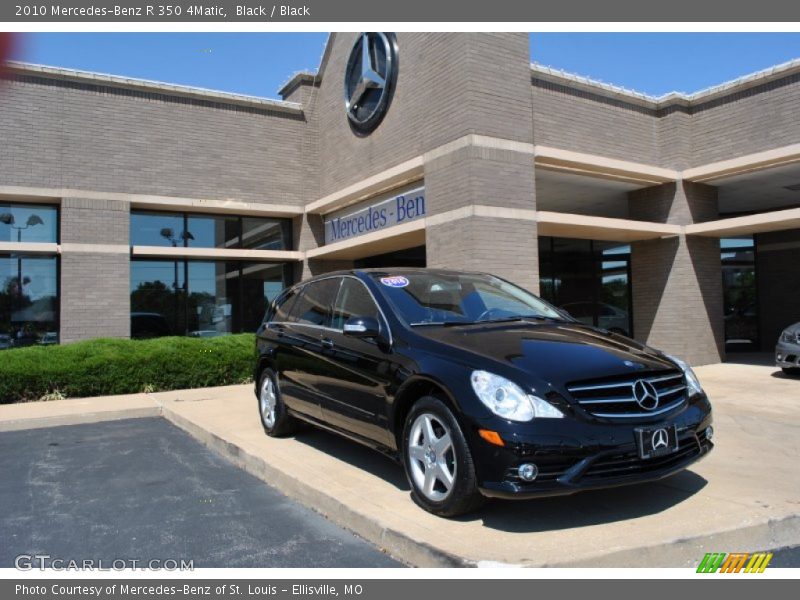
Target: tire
{"x":428,"y":469}
{"x":791,"y":371}
{"x":275,"y":420}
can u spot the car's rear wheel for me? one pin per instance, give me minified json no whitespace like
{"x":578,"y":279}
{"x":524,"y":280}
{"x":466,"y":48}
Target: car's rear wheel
{"x":438,"y":461}
{"x":274,"y":418}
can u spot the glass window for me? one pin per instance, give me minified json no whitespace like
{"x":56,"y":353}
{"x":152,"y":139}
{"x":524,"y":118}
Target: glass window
{"x":284,"y":308}
{"x":354,"y":300}
{"x":264,"y":234}
{"x":28,"y":301}
{"x":201,"y":298}
{"x":739,"y":293}
{"x":313,"y":307}
{"x":157,"y":229}
{"x":149,"y":228}
{"x":590,"y":279}
{"x":157,"y":298}
{"x":208,"y":231}
{"x":28,"y":223}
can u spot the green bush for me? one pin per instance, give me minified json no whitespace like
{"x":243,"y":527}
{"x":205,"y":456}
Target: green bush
{"x":107,"y":366}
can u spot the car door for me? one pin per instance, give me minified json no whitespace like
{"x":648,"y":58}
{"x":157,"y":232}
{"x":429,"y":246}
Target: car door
{"x":300,"y":362}
{"x":354,"y":386}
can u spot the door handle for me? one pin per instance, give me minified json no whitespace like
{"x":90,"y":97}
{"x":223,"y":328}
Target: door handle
{"x":327,"y":343}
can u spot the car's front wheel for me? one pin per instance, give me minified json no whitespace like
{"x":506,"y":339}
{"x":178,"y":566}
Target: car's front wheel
{"x":438,"y":461}
{"x":274,"y":418}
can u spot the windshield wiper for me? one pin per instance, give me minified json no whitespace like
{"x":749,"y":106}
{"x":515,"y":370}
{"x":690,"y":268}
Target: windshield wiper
{"x":523,"y":318}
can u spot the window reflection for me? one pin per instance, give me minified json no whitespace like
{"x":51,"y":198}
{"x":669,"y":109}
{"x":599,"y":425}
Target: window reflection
{"x":739,"y":293}
{"x":150,"y":228}
{"x":34,"y":223}
{"x":28,"y":301}
{"x":590,"y":279}
{"x":201,"y":298}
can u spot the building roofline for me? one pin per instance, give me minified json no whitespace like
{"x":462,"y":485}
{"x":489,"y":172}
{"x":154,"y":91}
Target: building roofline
{"x":158,"y":87}
{"x":297,"y":79}
{"x":672,"y":98}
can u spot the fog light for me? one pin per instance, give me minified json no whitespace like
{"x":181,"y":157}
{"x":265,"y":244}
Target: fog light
{"x":780,"y":356}
{"x":709,"y":433}
{"x":528,"y":472}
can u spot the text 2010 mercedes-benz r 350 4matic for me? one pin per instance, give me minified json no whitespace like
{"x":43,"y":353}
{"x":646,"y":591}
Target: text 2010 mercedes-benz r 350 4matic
{"x":479,"y":387}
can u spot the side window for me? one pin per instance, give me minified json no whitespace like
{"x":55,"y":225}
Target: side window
{"x":313,"y":305}
{"x":353,"y":301}
{"x":283,"y":307}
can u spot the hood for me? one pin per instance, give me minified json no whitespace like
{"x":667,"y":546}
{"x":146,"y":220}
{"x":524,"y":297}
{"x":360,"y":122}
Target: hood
{"x":556,"y":353}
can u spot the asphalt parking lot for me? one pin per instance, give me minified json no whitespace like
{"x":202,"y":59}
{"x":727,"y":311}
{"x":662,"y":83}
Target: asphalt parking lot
{"x":143,"y":484}
{"x":139,"y":489}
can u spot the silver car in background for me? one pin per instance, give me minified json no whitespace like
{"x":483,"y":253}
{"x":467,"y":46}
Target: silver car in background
{"x":787,"y":351}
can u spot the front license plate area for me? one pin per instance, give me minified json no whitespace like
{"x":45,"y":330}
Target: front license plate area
{"x":656,"y":441}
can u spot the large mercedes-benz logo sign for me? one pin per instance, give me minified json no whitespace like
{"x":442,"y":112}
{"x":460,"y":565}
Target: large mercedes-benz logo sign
{"x":660,"y":439}
{"x":645,"y":394}
{"x":369,"y":79}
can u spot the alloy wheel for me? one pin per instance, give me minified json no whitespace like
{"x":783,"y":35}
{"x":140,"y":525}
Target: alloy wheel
{"x":267,"y":400}
{"x":432,"y":459}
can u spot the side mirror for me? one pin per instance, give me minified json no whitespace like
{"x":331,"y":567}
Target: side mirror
{"x":362,"y":327}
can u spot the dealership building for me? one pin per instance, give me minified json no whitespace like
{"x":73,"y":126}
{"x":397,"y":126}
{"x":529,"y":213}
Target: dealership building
{"x":139,"y":208}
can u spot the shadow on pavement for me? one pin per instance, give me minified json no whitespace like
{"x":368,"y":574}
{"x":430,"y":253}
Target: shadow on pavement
{"x":354,"y":454}
{"x":525,"y":516}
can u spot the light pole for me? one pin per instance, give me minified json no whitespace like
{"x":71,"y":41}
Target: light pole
{"x":169,"y":234}
{"x":33,"y":220}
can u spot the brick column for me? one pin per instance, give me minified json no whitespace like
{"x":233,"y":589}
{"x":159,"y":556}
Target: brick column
{"x":95,"y":269}
{"x":677,"y":282}
{"x":472,"y":195}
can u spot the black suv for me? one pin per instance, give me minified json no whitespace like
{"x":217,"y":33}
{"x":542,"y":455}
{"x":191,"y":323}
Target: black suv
{"x":479,"y":387}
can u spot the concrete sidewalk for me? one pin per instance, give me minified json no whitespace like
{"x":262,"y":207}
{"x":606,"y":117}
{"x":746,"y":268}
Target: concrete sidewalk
{"x":744,"y":496}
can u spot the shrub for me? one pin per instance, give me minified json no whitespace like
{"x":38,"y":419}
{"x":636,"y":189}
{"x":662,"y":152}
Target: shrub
{"x":108,"y":366}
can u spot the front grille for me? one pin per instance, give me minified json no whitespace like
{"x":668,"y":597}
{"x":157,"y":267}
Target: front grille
{"x":614,"y":398}
{"x":629,"y":463}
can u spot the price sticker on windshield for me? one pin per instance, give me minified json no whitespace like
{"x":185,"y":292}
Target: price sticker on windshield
{"x":395,"y":281}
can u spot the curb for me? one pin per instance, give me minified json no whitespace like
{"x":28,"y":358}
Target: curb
{"x":397,"y":544}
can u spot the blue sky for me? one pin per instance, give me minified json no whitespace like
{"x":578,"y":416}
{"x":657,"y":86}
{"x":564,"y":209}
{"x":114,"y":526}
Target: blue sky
{"x":258,"y":63}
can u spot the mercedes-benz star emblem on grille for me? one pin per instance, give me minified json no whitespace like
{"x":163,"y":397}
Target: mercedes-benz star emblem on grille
{"x":645,"y":394}
{"x":660,"y":439}
{"x":369,"y":80}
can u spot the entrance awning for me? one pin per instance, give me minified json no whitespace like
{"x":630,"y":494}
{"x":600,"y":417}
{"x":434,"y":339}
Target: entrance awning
{"x":602,"y":228}
{"x":778,"y":220}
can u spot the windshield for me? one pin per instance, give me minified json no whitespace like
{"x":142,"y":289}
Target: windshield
{"x":430,"y":298}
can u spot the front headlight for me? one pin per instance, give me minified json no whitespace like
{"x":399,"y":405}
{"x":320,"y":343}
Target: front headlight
{"x":789,"y":336}
{"x":691,"y":379}
{"x":506,"y":399}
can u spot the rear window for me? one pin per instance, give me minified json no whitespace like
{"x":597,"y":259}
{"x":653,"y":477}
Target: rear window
{"x":314,"y":305}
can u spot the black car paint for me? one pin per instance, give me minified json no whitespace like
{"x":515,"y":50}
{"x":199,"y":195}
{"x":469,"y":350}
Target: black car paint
{"x":362,"y":388}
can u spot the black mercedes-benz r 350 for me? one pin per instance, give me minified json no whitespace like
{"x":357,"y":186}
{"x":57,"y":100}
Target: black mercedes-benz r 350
{"x":478,"y":387}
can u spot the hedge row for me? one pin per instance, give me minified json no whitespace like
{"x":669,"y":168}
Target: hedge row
{"x":106,"y":366}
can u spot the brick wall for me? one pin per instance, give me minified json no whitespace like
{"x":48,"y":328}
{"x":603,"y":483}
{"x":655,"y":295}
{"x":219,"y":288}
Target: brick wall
{"x":80,"y":136}
{"x":572,"y":119}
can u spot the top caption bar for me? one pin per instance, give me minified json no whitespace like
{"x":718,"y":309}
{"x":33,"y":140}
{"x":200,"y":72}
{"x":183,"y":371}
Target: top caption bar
{"x":343,"y":11}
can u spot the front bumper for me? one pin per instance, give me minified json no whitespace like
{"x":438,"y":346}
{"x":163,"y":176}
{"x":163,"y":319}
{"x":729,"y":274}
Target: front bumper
{"x":787,"y":355}
{"x":596,"y":456}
